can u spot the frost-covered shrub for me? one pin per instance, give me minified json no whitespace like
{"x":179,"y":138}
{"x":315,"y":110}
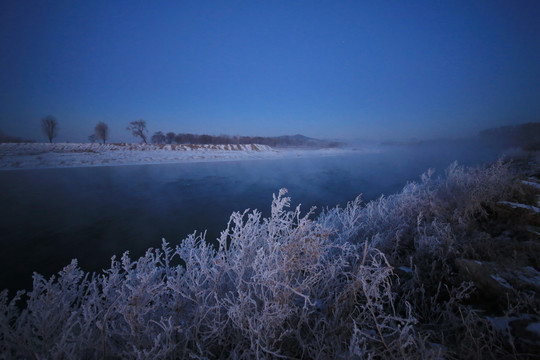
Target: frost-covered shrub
{"x":421,"y":230}
{"x":431,"y":216}
{"x":273,"y":288}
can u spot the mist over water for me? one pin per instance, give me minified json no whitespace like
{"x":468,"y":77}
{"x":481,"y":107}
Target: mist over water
{"x":49,"y":216}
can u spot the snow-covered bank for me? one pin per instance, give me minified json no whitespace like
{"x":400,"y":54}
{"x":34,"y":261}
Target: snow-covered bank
{"x":43,"y":155}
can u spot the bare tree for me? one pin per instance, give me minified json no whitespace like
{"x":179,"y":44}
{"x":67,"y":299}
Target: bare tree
{"x":49,"y":125}
{"x":101,"y":131}
{"x":138,"y":129}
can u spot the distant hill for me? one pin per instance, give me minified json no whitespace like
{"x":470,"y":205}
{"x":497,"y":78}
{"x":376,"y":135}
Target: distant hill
{"x":303,"y":141}
{"x":275,"y":141}
{"x":526,"y":136}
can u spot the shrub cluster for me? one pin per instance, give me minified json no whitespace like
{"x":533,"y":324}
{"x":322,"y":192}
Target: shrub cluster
{"x":276,"y":141}
{"x":423,"y":230}
{"x":287,"y":286}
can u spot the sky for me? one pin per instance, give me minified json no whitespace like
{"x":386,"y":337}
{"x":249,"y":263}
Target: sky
{"x":324,"y":69}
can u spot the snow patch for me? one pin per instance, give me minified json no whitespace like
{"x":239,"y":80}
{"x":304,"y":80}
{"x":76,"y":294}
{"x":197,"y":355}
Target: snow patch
{"x":534,"y":328}
{"x":501,"y":281}
{"x":533,"y":230}
{"x":405,"y":269}
{"x":521,"y":206}
{"x":530,"y":275}
{"x":531,"y":183}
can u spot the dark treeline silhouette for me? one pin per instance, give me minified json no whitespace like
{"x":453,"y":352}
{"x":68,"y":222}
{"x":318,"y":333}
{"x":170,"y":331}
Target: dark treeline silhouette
{"x":277,"y":141}
{"x":526,"y":136}
{"x":5,"y":138}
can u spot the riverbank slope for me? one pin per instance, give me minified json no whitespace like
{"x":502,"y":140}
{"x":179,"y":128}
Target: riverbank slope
{"x":44,"y":155}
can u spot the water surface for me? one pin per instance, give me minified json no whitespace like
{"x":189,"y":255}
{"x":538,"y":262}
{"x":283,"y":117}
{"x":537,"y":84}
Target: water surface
{"x":49,"y":216}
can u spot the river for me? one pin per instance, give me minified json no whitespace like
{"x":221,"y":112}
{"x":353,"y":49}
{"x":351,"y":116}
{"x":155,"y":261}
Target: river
{"x":49,"y":216}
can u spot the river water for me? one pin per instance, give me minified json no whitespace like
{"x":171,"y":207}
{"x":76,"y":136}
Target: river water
{"x":49,"y":216}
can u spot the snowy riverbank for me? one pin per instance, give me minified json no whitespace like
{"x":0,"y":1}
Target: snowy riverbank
{"x":43,"y":155}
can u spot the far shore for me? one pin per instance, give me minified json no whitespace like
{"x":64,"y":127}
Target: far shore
{"x":16,"y":156}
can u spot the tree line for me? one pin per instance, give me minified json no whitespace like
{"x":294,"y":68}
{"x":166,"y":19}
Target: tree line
{"x":5,"y":138}
{"x":50,"y":128}
{"x":276,"y":141}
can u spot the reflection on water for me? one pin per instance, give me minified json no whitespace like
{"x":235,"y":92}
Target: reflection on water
{"x":49,"y":216}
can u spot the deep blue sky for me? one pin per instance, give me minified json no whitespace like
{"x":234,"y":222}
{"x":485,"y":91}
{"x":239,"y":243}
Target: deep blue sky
{"x":338,"y":69}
